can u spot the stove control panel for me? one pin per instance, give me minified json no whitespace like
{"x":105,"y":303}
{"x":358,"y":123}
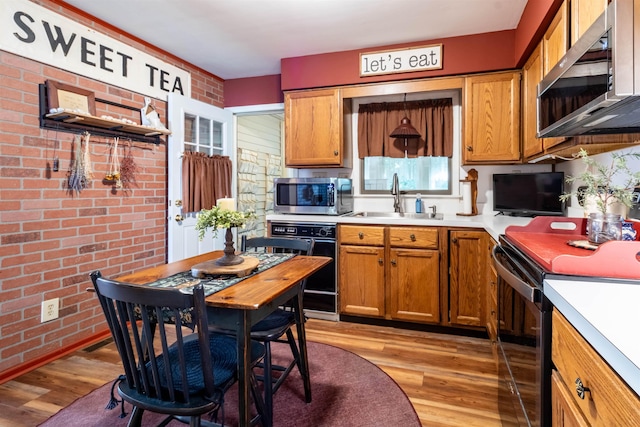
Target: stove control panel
{"x":327,"y":231}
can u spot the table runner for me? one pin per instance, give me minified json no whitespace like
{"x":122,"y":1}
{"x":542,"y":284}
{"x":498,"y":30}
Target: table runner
{"x":215,"y":283}
{"x":211,"y":283}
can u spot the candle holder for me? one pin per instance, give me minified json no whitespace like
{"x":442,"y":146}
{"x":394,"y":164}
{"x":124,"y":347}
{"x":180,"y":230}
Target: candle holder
{"x":230,"y":257}
{"x":220,"y":217}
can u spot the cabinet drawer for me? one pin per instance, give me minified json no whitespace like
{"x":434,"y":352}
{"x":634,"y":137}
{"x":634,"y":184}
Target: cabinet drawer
{"x":609,"y":401}
{"x":361,"y":235}
{"x":413,"y":237}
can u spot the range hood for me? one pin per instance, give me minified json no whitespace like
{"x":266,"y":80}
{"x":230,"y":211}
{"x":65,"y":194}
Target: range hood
{"x":595,"y":88}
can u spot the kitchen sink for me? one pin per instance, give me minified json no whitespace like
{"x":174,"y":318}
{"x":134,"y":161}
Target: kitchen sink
{"x":407,"y":215}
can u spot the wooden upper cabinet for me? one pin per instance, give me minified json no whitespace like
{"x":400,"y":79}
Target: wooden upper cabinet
{"x":555,"y":43}
{"x":545,"y":56}
{"x":491,"y":112}
{"x":314,"y":129}
{"x":532,"y":73}
{"x":583,"y":14}
{"x":556,"y":39}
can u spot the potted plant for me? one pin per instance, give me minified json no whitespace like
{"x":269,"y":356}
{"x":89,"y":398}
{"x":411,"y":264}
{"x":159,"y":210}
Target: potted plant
{"x":605,"y":184}
{"x":218,"y":217}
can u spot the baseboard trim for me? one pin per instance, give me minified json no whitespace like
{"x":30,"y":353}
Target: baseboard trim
{"x":23,"y":368}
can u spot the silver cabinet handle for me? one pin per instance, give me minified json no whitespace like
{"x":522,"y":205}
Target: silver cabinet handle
{"x":581,"y":389}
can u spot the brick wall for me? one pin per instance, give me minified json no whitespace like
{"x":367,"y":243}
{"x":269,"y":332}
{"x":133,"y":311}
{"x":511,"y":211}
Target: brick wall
{"x":50,"y":238}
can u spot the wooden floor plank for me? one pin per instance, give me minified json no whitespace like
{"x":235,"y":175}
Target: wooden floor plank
{"x":451,"y":380}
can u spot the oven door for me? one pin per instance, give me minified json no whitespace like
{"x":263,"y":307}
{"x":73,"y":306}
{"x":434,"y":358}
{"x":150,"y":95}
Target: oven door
{"x":524,"y":338}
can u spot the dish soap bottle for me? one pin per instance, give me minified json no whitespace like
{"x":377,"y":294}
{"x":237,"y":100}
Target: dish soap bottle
{"x":418,"y":203}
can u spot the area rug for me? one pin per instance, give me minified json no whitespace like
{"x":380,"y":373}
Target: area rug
{"x":347,"y":391}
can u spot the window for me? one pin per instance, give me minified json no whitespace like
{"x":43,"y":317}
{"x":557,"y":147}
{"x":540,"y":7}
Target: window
{"x":425,"y":175}
{"x":423,"y":166}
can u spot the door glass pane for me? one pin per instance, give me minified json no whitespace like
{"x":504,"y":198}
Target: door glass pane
{"x":216,"y":134}
{"x":189,"y":128}
{"x":204,"y":137}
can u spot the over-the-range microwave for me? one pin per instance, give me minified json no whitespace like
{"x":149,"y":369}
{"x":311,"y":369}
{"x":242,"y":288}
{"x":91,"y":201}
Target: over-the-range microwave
{"x":595,"y":87}
{"x":319,"y":196}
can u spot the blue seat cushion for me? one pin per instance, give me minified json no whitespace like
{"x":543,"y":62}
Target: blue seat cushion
{"x":276,"y":320}
{"x":223,"y":352}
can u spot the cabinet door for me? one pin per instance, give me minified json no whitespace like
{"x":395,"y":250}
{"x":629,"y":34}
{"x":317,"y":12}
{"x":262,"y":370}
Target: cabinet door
{"x":313,"y":128}
{"x":609,"y":401}
{"x":532,"y":73}
{"x":564,"y":413}
{"x":414,"y":285}
{"x":492,"y":118}
{"x":583,"y":14}
{"x":467,"y":284}
{"x":555,"y":43}
{"x":361,"y":280}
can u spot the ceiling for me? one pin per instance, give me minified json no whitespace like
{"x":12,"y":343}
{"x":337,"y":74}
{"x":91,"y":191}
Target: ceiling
{"x":247,"y":38}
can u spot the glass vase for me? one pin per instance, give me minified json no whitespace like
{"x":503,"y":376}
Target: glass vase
{"x":604,"y":227}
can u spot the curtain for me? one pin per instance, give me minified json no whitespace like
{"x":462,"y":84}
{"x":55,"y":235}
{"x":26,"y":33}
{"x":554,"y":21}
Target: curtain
{"x":205,"y":179}
{"x":433,"y":118}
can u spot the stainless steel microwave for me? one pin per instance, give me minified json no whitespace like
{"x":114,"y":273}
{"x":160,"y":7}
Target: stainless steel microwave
{"x":314,"y":196}
{"x":595,"y":87}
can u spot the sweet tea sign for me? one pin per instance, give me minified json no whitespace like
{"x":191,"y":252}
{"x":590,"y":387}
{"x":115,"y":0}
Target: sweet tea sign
{"x":40,"y":34}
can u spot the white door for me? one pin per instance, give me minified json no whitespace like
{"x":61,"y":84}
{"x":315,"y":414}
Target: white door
{"x":195,"y":126}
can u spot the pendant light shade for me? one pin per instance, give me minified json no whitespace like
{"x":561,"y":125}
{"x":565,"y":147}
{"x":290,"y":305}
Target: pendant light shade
{"x":405,"y":130}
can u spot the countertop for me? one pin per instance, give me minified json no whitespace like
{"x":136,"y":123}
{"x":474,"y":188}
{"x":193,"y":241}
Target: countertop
{"x":494,"y":225}
{"x":606,"y":315}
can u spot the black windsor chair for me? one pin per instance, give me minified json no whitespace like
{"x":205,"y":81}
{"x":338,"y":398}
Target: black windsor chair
{"x":168,"y":372}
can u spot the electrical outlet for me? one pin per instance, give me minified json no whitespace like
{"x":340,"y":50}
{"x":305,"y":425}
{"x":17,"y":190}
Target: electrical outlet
{"x":50,"y":309}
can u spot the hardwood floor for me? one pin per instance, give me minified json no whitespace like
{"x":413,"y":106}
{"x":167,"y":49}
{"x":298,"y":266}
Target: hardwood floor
{"x":451,"y":380}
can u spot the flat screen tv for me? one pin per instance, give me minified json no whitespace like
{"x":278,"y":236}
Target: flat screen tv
{"x":529,"y":194}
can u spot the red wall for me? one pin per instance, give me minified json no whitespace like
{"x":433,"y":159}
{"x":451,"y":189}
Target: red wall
{"x":468,"y":54}
{"x":50,"y":240}
{"x":534,"y":21}
{"x":253,"y":91}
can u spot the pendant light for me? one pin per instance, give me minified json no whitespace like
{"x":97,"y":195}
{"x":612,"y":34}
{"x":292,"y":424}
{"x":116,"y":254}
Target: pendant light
{"x":405,"y":129}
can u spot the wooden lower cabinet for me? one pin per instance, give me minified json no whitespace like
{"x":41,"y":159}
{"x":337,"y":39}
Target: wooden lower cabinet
{"x":492,"y":300}
{"x":608,"y":401}
{"x":564,"y":412}
{"x":389,"y":272}
{"x":414,"y":284}
{"x":468,"y":263}
{"x":361,"y":275}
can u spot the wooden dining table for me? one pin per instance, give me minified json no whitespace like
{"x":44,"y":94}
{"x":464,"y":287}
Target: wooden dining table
{"x":243,"y":304}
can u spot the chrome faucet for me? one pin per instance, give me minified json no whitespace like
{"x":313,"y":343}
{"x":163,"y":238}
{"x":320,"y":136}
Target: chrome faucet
{"x":395,"y":190}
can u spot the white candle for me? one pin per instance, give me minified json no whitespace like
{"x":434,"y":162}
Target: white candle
{"x":227,"y":203}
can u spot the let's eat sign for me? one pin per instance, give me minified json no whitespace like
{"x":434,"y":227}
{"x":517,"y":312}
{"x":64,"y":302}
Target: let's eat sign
{"x":401,"y":60}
